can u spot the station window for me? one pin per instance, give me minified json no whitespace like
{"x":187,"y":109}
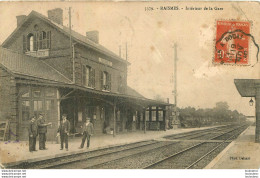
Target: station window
{"x":160,"y":115}
{"x":134,"y":118}
{"x":37,"y":41}
{"x":153,"y":115}
{"x":80,"y":116}
{"x":49,"y":108}
{"x":49,"y":104}
{"x":37,"y":107}
{"x":147,"y":115}
{"x":34,"y":101}
{"x":91,"y":112}
{"x":25,"y":110}
{"x":88,"y":77}
{"x":105,"y":81}
{"x":121,"y":88}
{"x":29,"y":42}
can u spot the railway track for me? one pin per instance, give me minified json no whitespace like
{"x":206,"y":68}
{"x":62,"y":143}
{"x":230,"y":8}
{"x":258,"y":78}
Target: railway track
{"x":176,"y":160}
{"x":128,"y":161}
{"x":197,"y":134}
{"x":51,"y":163}
{"x":125,"y":162}
{"x":149,"y":151}
{"x":94,"y":162}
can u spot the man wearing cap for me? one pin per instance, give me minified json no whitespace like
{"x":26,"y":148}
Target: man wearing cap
{"x":33,"y":132}
{"x":87,"y":132}
{"x":42,"y":129}
{"x":63,"y":131}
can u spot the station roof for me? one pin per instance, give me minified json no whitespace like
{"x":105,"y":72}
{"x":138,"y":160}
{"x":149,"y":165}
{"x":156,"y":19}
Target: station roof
{"x":81,"y":39}
{"x":39,"y":72}
{"x":247,"y":87}
{"x":136,"y":99}
{"x":23,"y":65}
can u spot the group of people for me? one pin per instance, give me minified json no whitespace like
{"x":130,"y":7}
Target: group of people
{"x":39,"y":127}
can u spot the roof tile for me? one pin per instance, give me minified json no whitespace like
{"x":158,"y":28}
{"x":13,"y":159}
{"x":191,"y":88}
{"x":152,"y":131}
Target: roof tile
{"x":29,"y":66}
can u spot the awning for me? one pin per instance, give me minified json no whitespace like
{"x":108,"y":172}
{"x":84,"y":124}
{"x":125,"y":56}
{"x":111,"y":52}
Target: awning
{"x":247,"y":87}
{"x":119,"y":98}
{"x":109,"y":96}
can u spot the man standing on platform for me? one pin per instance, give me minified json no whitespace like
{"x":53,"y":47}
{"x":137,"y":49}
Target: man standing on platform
{"x":33,"y":132}
{"x":63,"y":131}
{"x":87,"y":132}
{"x":42,"y":129}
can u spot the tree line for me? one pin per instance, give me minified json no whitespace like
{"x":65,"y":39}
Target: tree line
{"x":220,"y":114}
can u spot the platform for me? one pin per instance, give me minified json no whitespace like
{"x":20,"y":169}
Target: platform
{"x":12,"y":153}
{"x":242,"y":153}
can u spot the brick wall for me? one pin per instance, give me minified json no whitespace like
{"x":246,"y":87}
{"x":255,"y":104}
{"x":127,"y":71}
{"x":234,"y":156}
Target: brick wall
{"x":58,"y":39}
{"x":89,"y":57}
{"x":60,"y":57}
{"x":8,"y":101}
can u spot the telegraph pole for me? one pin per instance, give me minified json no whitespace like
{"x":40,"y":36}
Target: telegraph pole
{"x":71,"y":49}
{"x":175,"y":80}
{"x":175,"y":74}
{"x":70,"y":27}
{"x":72,"y":56}
{"x":119,"y":50}
{"x":126,"y":57}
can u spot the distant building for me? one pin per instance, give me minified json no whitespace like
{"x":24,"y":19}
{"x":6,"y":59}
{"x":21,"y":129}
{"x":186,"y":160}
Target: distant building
{"x":41,"y":73}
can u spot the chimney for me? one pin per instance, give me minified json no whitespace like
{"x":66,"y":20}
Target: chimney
{"x":93,"y":36}
{"x":56,"y":15}
{"x":20,"y":19}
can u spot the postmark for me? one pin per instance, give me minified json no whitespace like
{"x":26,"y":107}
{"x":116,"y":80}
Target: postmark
{"x":232,"y":42}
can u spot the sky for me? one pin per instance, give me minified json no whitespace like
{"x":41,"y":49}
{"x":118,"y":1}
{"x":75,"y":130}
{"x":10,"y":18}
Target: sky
{"x":150,"y":36}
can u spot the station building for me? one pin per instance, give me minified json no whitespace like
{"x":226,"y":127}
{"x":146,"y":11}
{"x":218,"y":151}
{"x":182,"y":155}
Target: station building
{"x":47,"y":68}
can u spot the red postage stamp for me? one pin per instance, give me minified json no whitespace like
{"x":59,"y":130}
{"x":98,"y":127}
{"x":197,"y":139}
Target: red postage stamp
{"x":232,"y":43}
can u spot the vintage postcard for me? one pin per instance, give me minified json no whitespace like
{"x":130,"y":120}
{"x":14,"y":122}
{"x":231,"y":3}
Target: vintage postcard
{"x":129,"y":85}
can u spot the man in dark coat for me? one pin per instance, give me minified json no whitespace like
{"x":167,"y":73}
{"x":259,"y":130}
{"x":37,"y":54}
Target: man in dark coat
{"x":42,"y":130}
{"x":33,"y":132}
{"x":88,"y":131}
{"x":63,"y":131}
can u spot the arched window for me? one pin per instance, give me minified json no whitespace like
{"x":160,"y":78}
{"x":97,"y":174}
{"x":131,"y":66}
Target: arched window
{"x":37,"y":41}
{"x":30,"y":42}
{"x":44,"y":35}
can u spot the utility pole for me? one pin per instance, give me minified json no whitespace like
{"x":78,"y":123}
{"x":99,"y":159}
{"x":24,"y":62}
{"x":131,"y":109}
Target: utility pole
{"x":71,"y":50}
{"x":70,"y":26}
{"x":72,"y":57}
{"x":175,"y":80}
{"x":126,"y":57}
{"x":175,"y":74}
{"x":114,"y":111}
